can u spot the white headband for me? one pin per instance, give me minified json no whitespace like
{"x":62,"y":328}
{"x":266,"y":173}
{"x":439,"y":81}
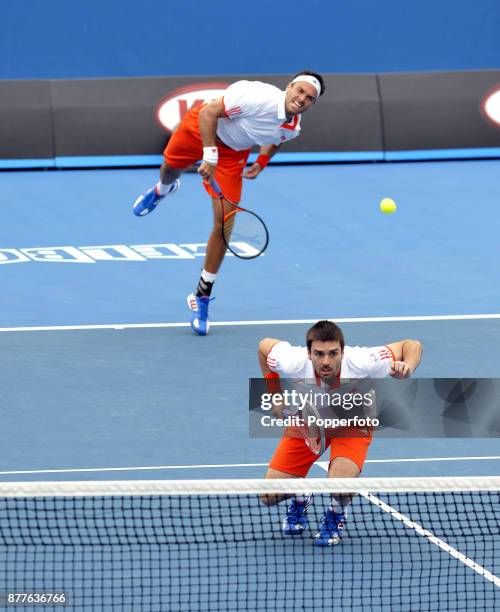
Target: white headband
{"x":309,"y":79}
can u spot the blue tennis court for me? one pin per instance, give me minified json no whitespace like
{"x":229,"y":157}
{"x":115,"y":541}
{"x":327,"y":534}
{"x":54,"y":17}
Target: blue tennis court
{"x":104,"y":380}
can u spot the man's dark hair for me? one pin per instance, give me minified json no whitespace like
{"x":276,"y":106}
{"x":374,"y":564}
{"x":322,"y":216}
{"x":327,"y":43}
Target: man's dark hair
{"x":324,"y":331}
{"x":316,"y":76}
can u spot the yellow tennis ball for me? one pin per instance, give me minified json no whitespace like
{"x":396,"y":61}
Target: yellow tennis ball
{"x":388,"y":206}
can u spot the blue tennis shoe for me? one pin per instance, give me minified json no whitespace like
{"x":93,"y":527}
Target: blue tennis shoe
{"x":331,"y":529}
{"x":149,"y":200}
{"x":295,"y":521}
{"x":199,"y":313}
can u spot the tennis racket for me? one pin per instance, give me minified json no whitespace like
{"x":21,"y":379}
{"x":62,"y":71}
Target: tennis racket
{"x":244,"y":233}
{"x":313,"y":434}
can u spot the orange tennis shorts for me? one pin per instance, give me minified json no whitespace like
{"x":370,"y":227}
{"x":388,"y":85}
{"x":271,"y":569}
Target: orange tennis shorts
{"x":185,"y":148}
{"x":293,"y":456}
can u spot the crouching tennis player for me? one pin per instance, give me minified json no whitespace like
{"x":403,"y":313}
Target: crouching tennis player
{"x":326,"y":359}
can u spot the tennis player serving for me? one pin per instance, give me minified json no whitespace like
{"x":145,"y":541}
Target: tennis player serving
{"x":221,"y":134}
{"x":326,"y":359}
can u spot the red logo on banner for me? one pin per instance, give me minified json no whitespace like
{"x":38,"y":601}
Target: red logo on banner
{"x":172,"y":109}
{"x":490,"y":106}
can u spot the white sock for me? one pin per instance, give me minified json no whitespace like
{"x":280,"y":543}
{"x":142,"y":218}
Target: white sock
{"x":208,"y":277}
{"x":162,"y":189}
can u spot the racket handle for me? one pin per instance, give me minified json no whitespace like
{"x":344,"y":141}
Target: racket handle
{"x":214,"y":185}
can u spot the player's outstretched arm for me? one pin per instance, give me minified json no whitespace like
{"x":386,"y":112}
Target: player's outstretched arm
{"x":407,"y":356}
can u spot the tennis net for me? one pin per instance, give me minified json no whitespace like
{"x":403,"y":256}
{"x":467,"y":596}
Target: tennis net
{"x":412,"y":544}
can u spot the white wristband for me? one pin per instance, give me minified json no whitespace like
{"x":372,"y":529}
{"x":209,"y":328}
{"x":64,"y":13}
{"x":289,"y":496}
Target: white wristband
{"x":210,"y":155}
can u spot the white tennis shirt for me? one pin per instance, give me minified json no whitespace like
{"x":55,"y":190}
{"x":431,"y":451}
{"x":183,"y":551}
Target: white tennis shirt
{"x":358,"y":362}
{"x":255,"y":115}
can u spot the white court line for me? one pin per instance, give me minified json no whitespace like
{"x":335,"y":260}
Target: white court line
{"x":323,"y":464}
{"x":134,"y":469}
{"x":120,"y":326}
{"x":479,"y":569}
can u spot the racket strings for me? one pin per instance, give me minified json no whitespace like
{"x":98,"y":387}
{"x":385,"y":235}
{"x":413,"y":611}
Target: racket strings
{"x":244,"y":232}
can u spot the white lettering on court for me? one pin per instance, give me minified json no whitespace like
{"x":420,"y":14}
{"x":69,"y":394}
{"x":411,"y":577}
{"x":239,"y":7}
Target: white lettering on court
{"x":112,"y":253}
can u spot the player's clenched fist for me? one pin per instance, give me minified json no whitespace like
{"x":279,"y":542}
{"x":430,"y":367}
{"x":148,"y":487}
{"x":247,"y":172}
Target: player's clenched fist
{"x":400,"y":369}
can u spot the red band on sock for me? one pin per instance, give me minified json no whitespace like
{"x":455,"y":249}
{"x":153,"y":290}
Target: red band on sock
{"x":263,"y":160}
